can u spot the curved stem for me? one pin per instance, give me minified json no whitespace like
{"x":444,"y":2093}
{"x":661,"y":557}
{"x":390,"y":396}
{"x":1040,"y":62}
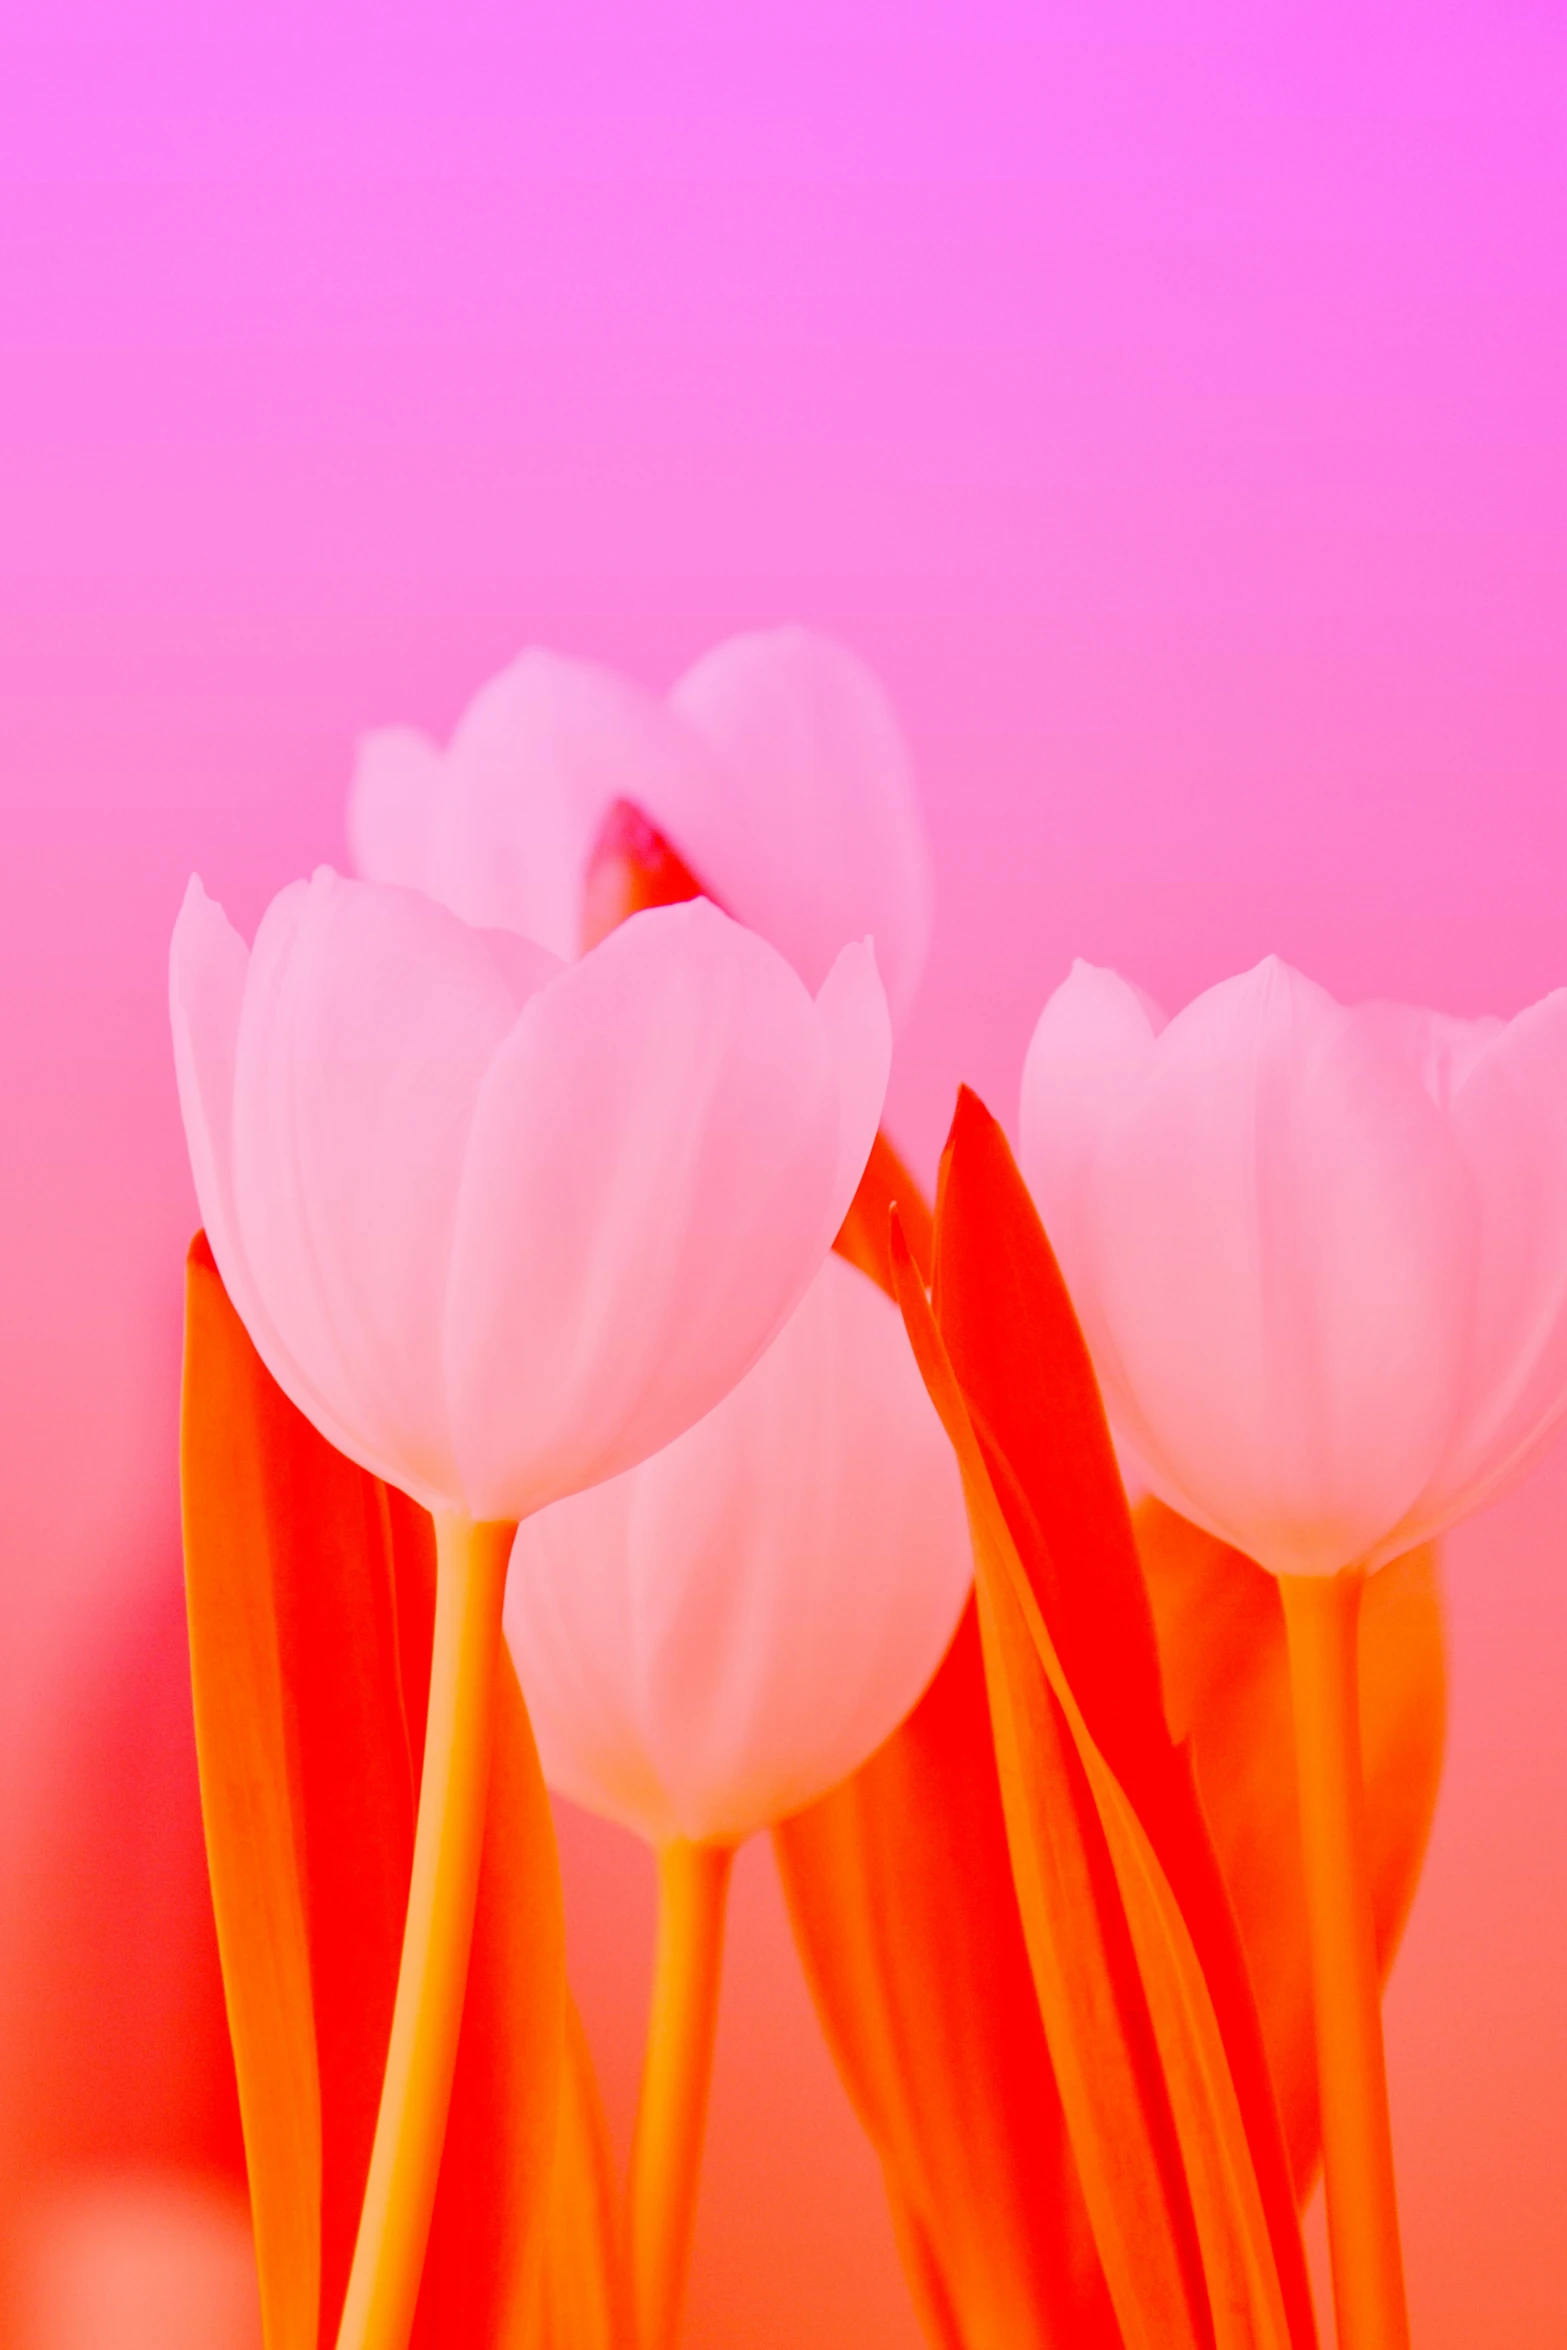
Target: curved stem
{"x":666,"y":2155}
{"x":1322,"y":1619}
{"x":410,"y":2128}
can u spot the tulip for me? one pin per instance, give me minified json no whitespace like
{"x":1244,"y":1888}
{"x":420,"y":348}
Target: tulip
{"x":716,"y":1638}
{"x":498,"y":1227}
{"x":712,"y":1640}
{"x":1320,"y":1255}
{"x":1320,"y":1258}
{"x":501,"y":1228}
{"x":775,"y":778}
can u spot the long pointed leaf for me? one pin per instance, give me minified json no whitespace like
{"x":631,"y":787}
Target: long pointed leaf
{"x":900,"y":1892}
{"x":900,"y":1889}
{"x":1040,"y":1727}
{"x":1029,"y":1388}
{"x":248,"y":1801}
{"x":581,"y":2299}
{"x":310,"y":1592}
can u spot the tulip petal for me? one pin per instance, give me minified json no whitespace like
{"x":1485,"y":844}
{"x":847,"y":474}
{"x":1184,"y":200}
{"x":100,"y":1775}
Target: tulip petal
{"x":819,"y":838}
{"x":654,"y":1174}
{"x":369,"y":1019}
{"x":853,"y":1011}
{"x":1086,"y":1063}
{"x":394,"y":805}
{"x":539,"y":757}
{"x":1289,"y":1191}
{"x":715,"y":1638}
{"x":208,"y":962}
{"x":311,"y":1605}
{"x":1435,"y":1048}
{"x":1509,"y":1121}
{"x":1226,"y":1681}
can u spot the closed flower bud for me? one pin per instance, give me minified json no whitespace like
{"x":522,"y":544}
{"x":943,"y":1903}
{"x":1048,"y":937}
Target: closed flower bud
{"x":499,"y":1226}
{"x":712,"y":1640}
{"x":1319,"y":1254}
{"x":775,"y":779}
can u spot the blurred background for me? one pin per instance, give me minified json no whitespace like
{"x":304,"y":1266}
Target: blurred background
{"x":1168,"y":403}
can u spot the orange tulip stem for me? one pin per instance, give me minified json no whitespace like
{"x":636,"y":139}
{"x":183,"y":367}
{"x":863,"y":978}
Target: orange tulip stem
{"x":666,"y":2154}
{"x":1322,"y":1620}
{"x":410,"y":2128}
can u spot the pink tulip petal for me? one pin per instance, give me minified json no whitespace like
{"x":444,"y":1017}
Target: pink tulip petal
{"x":577,"y":1644}
{"x":819,"y":838}
{"x":208,"y":962}
{"x":654,"y":1166}
{"x":717,"y":1637}
{"x":394,"y":805}
{"x":1283,"y":1247}
{"x":1509,"y":1121}
{"x":1320,"y":1255}
{"x":540,"y":756}
{"x":1088,"y":1057}
{"x":370,"y":1017}
{"x":852,"y":1009}
{"x":1436,"y":1048}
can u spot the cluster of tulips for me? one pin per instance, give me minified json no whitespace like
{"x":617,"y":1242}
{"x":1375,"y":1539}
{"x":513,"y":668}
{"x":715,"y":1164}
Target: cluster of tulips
{"x":580,"y":1392}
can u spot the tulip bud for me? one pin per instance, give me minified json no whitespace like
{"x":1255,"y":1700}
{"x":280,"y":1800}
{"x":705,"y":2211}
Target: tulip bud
{"x":501,"y":1227}
{"x":712,"y":1640}
{"x":774,"y":779}
{"x":1319,"y":1254}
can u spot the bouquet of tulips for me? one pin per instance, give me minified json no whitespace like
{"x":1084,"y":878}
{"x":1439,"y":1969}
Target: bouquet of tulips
{"x":581,"y":1393}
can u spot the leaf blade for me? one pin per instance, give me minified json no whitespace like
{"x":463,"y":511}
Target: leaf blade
{"x":899,"y":1888}
{"x":312,"y":1616}
{"x":900,"y":1895}
{"x":247,"y":1805}
{"x":1131,"y":2195}
{"x":1024,"y":1371}
{"x":1134,"y":2200}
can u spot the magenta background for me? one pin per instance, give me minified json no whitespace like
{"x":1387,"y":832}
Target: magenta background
{"x":1170,"y":403}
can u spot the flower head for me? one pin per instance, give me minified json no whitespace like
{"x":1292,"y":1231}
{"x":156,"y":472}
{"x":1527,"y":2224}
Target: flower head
{"x":501,"y":1226}
{"x":776,"y":774}
{"x":713,"y":1639}
{"x":1320,"y":1254}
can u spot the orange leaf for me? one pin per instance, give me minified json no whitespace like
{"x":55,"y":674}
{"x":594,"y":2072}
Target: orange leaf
{"x":248,"y":1803}
{"x":310,"y":1590}
{"x":865,"y":1238}
{"x":1030,"y":1398}
{"x":900,"y":1891}
{"x":1049,"y":1762}
{"x":631,"y":866}
{"x":581,"y":2298}
{"x":1226,"y":1680}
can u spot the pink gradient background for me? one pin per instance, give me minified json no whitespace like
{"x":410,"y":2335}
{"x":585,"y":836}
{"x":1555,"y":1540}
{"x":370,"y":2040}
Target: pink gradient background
{"x":1170,"y":404}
